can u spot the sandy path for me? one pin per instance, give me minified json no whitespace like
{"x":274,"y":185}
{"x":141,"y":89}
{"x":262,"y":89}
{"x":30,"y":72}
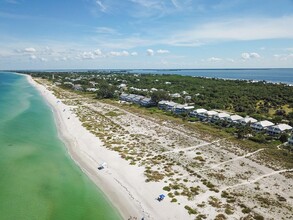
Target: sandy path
{"x":257,"y":179}
{"x":232,"y":160}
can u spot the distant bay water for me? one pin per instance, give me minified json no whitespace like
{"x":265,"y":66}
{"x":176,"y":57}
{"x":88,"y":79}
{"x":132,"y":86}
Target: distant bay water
{"x":275,"y":75}
{"x":38,"y":180}
{"x":269,"y":75}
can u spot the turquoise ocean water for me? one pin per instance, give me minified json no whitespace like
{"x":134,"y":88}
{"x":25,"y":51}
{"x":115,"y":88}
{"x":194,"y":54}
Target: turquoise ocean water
{"x":38,"y":180}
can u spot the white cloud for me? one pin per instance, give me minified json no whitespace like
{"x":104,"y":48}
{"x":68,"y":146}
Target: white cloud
{"x":284,"y":57}
{"x":134,"y":54}
{"x":175,"y":3}
{"x":123,"y":53}
{"x":87,"y":56}
{"x":254,"y":55}
{"x":163,"y":51}
{"x":30,"y":50}
{"x":101,"y":5}
{"x":234,"y":29}
{"x":98,"y":52}
{"x":214,"y":59}
{"x":247,"y":56}
{"x":150,"y":52}
{"x":33,"y":57}
{"x":44,"y":59}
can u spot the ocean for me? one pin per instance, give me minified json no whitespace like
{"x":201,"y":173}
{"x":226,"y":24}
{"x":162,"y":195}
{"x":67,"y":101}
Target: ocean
{"x":269,"y":75}
{"x":38,"y":180}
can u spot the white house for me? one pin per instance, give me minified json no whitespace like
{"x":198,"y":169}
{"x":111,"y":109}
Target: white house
{"x":162,"y":104}
{"x":207,"y":115}
{"x":170,"y":106}
{"x":130,"y":98}
{"x":92,"y":89}
{"x":234,"y":119}
{"x":180,"y":109}
{"x":124,"y":96}
{"x":278,"y":129}
{"x":220,"y":116}
{"x":197,"y":112}
{"x":137,"y":99}
{"x":147,"y":102}
{"x":261,"y":125}
{"x":175,"y":95}
{"x":246,"y":120}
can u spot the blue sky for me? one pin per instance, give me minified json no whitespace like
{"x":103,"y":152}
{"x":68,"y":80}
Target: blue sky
{"x":53,"y":34}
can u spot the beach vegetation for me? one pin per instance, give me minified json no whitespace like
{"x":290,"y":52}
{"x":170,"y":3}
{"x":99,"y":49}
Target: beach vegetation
{"x":200,"y":217}
{"x":190,"y":210}
{"x":220,"y":217}
{"x":167,"y":188}
{"x":213,"y":201}
{"x":174,"y":200}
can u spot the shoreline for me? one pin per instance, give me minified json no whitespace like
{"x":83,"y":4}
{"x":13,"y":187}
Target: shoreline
{"x":122,"y":184}
{"x":71,"y":143}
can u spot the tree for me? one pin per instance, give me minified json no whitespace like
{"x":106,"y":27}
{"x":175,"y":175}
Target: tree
{"x":159,"y":95}
{"x":243,"y":131}
{"x":284,"y":137}
{"x":106,"y":91}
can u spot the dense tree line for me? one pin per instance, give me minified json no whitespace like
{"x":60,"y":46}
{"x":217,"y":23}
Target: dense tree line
{"x":258,"y":99}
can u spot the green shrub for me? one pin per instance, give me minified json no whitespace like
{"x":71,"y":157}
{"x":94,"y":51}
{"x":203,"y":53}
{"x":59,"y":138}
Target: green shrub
{"x":166,"y":188}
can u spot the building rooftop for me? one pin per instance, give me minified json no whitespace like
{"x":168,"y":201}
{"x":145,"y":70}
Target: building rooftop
{"x":265,"y":123}
{"x":282,"y":127}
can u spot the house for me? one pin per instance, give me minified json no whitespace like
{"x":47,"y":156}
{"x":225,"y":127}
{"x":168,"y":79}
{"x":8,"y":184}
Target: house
{"x":93,"y":83}
{"x":162,"y":104}
{"x":278,"y":129}
{"x":122,"y":86}
{"x":207,"y":115}
{"x":77,"y":87}
{"x":70,"y":84}
{"x":175,"y":95}
{"x":123,"y":97}
{"x":234,"y":119}
{"x":290,"y":140}
{"x":147,"y":102}
{"x":170,"y":106}
{"x":137,"y":99}
{"x":130,"y":98}
{"x":261,"y":125}
{"x":188,"y":108}
{"x":247,"y":120}
{"x":91,"y":89}
{"x":181,"y":109}
{"x":58,"y":83}
{"x":220,"y":116}
{"x":197,"y":111}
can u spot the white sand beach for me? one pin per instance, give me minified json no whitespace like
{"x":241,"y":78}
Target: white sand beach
{"x":203,"y":177}
{"x":124,"y":185}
